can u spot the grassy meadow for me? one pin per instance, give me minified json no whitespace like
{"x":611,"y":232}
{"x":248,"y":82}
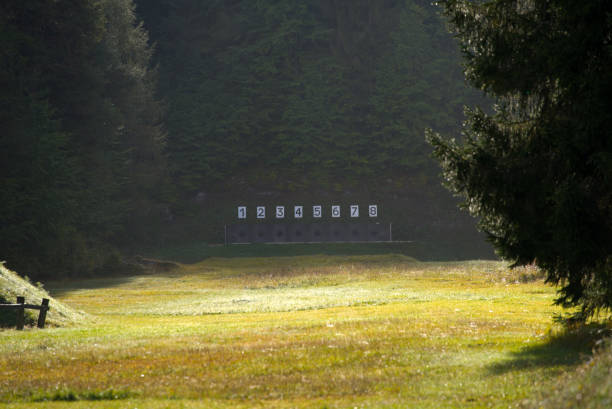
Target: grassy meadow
{"x":311,"y":331}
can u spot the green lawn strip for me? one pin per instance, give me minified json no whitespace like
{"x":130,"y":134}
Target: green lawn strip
{"x":386,"y":354}
{"x":263,"y":285}
{"x":422,"y":250}
{"x":460,"y":339}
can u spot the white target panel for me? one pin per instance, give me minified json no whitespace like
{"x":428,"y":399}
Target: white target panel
{"x":317,"y":211}
{"x":280,"y":212}
{"x":261,"y":212}
{"x":242,"y":212}
{"x":373,"y":210}
{"x":354,"y":210}
{"x":298,"y":212}
{"x":335,"y":211}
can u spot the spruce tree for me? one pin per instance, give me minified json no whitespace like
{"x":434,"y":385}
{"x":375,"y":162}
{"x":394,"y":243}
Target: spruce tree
{"x":538,"y":170}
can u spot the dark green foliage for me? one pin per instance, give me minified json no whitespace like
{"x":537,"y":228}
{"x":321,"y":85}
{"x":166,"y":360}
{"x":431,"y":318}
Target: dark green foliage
{"x":296,"y":95}
{"x":36,"y":171}
{"x":81,"y":146}
{"x":316,"y":100}
{"x":135,"y":166}
{"x":260,"y":96}
{"x":538,"y":172}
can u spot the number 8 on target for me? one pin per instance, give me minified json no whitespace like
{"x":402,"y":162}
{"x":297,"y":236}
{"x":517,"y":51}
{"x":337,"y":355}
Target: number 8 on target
{"x":373,"y":211}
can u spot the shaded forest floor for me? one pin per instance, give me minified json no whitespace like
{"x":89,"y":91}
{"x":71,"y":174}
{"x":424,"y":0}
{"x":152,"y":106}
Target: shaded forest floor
{"x":366,"y":331}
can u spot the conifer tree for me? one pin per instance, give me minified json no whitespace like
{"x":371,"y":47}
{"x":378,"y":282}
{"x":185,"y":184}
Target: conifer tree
{"x":538,"y":171}
{"x":81,"y":147}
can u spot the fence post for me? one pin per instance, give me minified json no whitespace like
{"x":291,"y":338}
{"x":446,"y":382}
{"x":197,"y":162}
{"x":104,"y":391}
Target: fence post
{"x":42,"y":315}
{"x":20,"y":313}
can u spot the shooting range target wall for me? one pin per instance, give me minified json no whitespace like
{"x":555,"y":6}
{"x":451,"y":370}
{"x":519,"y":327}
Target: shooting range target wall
{"x":307,"y":232}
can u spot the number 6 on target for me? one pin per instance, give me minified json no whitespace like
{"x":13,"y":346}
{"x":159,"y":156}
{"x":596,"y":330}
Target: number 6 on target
{"x":335,"y":211}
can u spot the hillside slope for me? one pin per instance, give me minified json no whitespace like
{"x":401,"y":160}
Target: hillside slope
{"x":12,"y":285}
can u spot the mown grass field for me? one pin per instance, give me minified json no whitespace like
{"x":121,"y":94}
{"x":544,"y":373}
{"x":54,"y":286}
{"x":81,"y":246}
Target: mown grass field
{"x":365,"y":331}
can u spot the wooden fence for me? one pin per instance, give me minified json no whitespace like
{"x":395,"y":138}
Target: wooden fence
{"x":21,"y":307}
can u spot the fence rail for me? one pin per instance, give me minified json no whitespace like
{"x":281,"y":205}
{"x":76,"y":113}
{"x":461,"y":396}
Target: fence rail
{"x":21,"y":306}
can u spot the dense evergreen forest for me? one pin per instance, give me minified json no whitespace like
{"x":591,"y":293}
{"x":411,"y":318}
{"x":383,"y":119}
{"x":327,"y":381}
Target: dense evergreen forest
{"x":82,"y":144}
{"x":130,"y":124}
{"x":313,"y":90}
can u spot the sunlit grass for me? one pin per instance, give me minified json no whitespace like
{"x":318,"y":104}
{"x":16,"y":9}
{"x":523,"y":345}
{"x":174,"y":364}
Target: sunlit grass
{"x":315,"y":331}
{"x":12,"y":285}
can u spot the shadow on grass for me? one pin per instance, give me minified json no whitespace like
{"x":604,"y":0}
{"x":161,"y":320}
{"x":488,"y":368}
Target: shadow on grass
{"x":190,"y":253}
{"x":566,"y":349}
{"x":60,"y":288}
{"x":439,"y":250}
{"x":136,"y":268}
